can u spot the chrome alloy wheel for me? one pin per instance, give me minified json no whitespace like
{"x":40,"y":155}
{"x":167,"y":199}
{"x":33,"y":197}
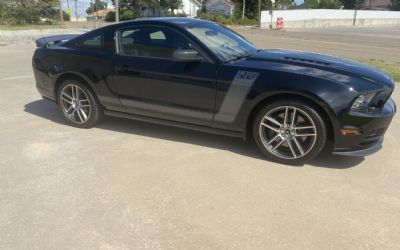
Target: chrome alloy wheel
{"x":75,"y":104}
{"x":288,"y":132}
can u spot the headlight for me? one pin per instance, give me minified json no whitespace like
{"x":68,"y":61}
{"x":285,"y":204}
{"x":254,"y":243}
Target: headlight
{"x":362,"y":102}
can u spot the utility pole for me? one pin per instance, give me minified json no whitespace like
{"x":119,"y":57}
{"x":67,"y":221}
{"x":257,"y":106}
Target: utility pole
{"x":61,"y":12}
{"x":244,"y":8}
{"x":355,"y":17}
{"x":259,"y":13}
{"x":76,"y":10}
{"x":355,"y":12}
{"x":271,"y":12}
{"x":116,"y":11}
{"x":93,"y":15}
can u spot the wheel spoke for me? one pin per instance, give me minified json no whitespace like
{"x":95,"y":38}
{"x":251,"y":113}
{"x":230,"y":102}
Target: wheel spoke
{"x":291,"y":148}
{"x":304,"y":127}
{"x":278,"y":144}
{"x":83,"y":114}
{"x":72,"y":114}
{"x":65,"y":100}
{"x":80,"y":116}
{"x":273,"y":120}
{"x":73,"y":91}
{"x":77,"y":92}
{"x":298,"y":146}
{"x":66,"y":95}
{"x":272,"y":140}
{"x":293,"y":116}
{"x":304,"y":135}
{"x":286,"y":116}
{"x":69,"y":109}
{"x":270,"y":127}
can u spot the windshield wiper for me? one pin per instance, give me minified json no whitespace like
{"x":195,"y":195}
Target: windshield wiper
{"x":239,"y":57}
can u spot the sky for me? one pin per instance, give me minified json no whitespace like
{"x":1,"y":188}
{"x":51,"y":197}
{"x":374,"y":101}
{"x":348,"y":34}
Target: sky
{"x":82,"y":5}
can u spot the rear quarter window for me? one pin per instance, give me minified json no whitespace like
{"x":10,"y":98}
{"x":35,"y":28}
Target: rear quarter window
{"x":95,"y":41}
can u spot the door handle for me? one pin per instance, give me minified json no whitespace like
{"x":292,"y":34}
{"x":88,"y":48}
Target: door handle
{"x":126,"y":70}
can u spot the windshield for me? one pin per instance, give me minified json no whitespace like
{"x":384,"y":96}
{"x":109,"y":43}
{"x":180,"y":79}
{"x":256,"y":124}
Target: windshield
{"x":224,"y":43}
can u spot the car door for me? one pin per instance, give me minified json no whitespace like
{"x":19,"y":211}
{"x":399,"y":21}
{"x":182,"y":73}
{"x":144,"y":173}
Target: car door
{"x":149,"y":82}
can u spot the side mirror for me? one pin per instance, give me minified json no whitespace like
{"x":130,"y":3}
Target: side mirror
{"x":186,"y":55}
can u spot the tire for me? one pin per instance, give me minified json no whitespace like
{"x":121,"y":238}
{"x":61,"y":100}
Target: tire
{"x":284,"y":143}
{"x":78,"y":104}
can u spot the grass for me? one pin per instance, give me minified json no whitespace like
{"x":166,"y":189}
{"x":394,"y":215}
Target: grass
{"x":390,"y":68}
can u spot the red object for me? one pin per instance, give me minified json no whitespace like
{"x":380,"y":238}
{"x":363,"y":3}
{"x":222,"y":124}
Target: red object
{"x":279,"y":23}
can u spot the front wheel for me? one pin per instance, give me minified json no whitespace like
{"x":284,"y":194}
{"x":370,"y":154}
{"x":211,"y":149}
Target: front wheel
{"x":289,"y":132}
{"x":78,"y":104}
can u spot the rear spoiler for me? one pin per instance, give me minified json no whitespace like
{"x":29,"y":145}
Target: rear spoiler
{"x":49,"y":41}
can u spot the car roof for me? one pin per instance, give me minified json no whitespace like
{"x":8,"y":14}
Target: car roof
{"x":164,"y":20}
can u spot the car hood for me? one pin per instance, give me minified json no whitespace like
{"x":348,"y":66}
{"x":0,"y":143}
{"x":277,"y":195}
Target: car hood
{"x":330,"y":63}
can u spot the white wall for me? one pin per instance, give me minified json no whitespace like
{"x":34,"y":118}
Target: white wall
{"x":329,"y":18}
{"x":189,"y":8}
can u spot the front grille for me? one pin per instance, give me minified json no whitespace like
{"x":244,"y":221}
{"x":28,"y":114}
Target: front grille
{"x":373,"y":137}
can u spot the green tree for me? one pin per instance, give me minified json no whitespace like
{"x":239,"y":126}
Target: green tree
{"x":95,"y":6}
{"x":127,"y":4}
{"x":284,"y":4}
{"x":395,"y":5}
{"x":323,"y":4}
{"x":171,"y":4}
{"x":29,"y":11}
{"x":353,"y":4}
{"x":251,"y":11}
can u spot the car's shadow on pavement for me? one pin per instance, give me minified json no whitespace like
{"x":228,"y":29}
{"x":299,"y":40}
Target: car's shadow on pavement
{"x":48,"y":110}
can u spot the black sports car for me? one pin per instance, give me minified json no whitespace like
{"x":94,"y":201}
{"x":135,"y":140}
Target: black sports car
{"x":201,"y":75}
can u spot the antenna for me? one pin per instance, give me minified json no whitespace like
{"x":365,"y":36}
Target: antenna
{"x":44,"y":39}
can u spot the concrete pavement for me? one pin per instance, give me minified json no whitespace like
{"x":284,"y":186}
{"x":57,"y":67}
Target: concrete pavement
{"x":380,"y":43}
{"x":131,"y":185}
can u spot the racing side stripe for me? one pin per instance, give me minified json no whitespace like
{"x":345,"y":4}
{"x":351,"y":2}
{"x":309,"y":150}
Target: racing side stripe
{"x":235,"y":96}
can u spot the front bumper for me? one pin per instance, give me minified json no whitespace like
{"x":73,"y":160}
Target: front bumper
{"x":371,"y":127}
{"x":361,"y":152}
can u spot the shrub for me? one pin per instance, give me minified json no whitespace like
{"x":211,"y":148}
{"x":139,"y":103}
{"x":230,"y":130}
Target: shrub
{"x":110,"y":17}
{"x":172,"y":14}
{"x":123,"y":16}
{"x":127,"y":15}
{"x":225,"y":20}
{"x":247,"y":22}
{"x":219,"y":18}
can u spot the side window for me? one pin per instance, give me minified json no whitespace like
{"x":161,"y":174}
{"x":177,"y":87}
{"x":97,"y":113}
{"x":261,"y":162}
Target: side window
{"x":93,"y":42}
{"x":154,"y":42}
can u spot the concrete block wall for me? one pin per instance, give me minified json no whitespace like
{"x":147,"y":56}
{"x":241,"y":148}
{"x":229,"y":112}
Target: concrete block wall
{"x":329,"y":18}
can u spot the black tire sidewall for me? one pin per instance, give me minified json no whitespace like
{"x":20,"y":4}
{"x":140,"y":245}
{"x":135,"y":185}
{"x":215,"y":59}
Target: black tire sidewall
{"x":96,"y":113}
{"x":315,"y":116}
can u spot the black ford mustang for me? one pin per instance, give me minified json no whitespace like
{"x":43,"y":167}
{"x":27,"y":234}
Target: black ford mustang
{"x":200,"y":75}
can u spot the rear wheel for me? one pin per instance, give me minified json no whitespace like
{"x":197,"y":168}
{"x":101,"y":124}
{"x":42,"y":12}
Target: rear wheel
{"x":289,"y":132}
{"x":78,"y":104}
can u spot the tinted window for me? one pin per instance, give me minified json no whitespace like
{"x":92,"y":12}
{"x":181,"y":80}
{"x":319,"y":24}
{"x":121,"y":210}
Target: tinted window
{"x":95,"y":41}
{"x":223,"y":42}
{"x":151,"y":42}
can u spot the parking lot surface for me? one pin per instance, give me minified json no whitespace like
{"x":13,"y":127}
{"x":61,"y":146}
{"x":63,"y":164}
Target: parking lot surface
{"x":132,"y":185}
{"x":361,"y":43}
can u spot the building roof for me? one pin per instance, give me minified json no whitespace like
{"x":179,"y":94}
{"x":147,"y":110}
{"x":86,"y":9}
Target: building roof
{"x":100,"y":13}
